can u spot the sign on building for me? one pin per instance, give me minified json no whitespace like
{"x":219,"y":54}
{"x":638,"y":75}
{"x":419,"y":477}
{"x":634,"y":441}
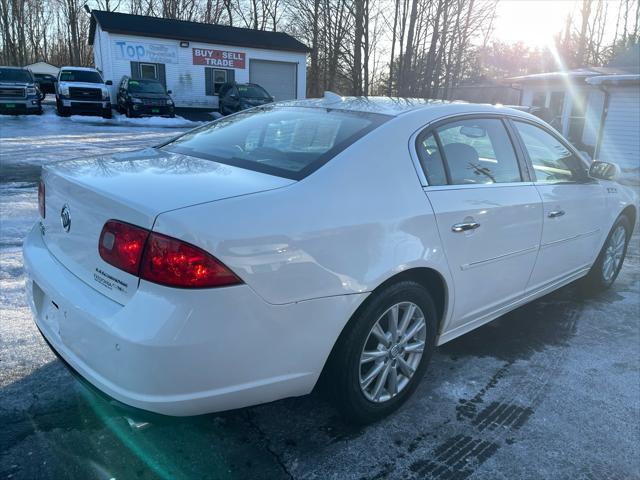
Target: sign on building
{"x":149,"y":52}
{"x":218,"y":58}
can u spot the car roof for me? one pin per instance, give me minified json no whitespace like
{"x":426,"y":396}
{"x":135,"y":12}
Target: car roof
{"x":86,"y":69}
{"x":396,"y":106}
{"x":14,"y":68}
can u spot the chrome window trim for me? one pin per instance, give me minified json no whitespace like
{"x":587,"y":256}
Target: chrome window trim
{"x":521,"y":159}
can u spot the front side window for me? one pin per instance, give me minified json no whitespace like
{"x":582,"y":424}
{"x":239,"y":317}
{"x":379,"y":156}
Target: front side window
{"x":478,"y":151}
{"x":288,"y":142}
{"x":552,"y":161}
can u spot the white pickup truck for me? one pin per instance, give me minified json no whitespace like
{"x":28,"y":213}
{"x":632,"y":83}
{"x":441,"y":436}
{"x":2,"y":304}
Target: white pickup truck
{"x":82,"y":90}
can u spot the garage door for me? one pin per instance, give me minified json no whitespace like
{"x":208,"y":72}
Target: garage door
{"x":620,"y":141}
{"x":278,"y":78}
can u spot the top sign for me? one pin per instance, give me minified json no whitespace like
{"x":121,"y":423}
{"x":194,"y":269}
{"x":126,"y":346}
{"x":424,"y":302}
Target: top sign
{"x":218,"y":58}
{"x":150,"y":52}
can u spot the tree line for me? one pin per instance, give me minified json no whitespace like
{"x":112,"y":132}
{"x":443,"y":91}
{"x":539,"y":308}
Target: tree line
{"x":421,"y":48}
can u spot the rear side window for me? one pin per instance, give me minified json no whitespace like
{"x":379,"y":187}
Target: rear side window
{"x":552,"y":161}
{"x":478,"y":151}
{"x":286,"y":141}
{"x":431,"y":160}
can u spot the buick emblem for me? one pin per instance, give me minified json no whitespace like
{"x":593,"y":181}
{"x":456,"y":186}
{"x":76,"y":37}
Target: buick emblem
{"x":65,"y":218}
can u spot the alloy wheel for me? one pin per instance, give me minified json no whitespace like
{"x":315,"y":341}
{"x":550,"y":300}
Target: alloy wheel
{"x":614,"y":253}
{"x":392,"y":352}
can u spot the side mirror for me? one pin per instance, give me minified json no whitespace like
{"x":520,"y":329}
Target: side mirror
{"x":169,"y":92}
{"x":108,"y":82}
{"x":604,"y":170}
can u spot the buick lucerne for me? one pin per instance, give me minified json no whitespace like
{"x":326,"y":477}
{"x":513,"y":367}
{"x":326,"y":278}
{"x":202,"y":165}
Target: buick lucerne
{"x":339,"y":239}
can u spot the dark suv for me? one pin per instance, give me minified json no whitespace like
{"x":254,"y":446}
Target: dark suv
{"x":240,"y":96}
{"x":19,"y":92}
{"x":137,"y":97}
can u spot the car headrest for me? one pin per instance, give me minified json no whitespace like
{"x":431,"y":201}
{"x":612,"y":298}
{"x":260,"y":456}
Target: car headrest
{"x":460,"y":154}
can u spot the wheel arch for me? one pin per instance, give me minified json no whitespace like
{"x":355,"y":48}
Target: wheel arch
{"x":432,"y":280}
{"x":630,"y":212}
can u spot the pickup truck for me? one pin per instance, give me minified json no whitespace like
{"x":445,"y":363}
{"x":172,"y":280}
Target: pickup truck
{"x":82,"y":90}
{"x":19,"y":93}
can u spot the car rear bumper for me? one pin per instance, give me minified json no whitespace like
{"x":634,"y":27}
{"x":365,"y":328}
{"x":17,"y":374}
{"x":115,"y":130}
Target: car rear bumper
{"x":182,"y":352}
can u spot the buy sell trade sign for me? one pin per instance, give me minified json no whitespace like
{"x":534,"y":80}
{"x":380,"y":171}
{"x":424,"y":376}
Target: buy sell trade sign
{"x":218,"y":58}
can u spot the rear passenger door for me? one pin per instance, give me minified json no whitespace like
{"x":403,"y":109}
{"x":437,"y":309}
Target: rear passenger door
{"x":488,"y":212}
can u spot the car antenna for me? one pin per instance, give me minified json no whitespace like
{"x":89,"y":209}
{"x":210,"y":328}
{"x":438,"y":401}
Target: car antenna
{"x":332,"y":97}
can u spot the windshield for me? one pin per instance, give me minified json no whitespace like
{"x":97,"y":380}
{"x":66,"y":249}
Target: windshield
{"x":252,"y":91}
{"x":286,"y":141}
{"x":86,"y":76}
{"x":14,"y":75}
{"x":145,"y":86}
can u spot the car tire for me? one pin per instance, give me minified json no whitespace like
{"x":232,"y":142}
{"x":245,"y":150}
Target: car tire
{"x":128,"y":112}
{"x":107,"y":113}
{"x":348,"y":376}
{"x":62,"y":111}
{"x":607,"y":266}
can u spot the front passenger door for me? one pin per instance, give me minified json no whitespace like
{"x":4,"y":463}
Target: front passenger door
{"x":489,"y":215}
{"x":574,"y":207}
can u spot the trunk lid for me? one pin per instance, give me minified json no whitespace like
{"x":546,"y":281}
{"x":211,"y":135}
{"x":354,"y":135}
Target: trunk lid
{"x":81,"y":195}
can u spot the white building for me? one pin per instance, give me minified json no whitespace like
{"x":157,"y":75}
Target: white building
{"x":597,"y":109}
{"x":194,"y":59}
{"x":43,"y":68}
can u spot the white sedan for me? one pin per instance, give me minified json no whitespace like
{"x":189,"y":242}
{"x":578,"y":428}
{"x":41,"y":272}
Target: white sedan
{"x":336,"y":238}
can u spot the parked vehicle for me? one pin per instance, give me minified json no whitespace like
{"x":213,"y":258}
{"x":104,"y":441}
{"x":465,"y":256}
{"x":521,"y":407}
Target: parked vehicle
{"x":138,"y":97}
{"x":82,"y":90}
{"x":348,"y":237}
{"x":46,"y":82}
{"x":240,"y":96}
{"x":19,"y":93}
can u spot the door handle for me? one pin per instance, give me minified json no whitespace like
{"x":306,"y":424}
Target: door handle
{"x":464,"y":227}
{"x":555,"y":213}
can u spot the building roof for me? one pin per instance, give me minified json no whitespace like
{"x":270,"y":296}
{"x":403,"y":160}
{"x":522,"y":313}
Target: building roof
{"x":618,"y":80}
{"x":145,"y":26}
{"x":577,"y":74}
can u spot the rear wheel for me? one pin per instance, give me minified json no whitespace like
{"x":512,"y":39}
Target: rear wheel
{"x":381,"y":357}
{"x":129,"y":112}
{"x":607,"y":266}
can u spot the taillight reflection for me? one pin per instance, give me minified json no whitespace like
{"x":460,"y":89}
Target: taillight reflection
{"x":121,"y":245}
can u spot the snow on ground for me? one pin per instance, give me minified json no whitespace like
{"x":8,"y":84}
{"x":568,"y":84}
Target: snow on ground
{"x":27,"y":143}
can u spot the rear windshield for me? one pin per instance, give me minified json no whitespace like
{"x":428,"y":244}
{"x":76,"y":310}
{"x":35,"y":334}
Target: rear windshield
{"x":252,"y":91}
{"x":86,"y":76}
{"x":14,"y":75}
{"x":145,"y":86}
{"x":289,"y":142}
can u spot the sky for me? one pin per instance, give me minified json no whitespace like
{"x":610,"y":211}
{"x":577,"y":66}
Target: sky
{"x":535,"y":22}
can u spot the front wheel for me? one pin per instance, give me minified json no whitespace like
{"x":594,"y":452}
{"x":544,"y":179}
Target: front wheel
{"x":607,"y":266}
{"x":382,"y":355}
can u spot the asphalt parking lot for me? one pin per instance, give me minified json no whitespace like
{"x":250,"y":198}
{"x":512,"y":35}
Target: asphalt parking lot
{"x":551,"y":390}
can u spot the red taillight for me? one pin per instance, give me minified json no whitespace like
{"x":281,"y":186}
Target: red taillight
{"x":178,"y":264}
{"x":41,"y":204}
{"x":161,"y":259}
{"x":121,"y":245}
